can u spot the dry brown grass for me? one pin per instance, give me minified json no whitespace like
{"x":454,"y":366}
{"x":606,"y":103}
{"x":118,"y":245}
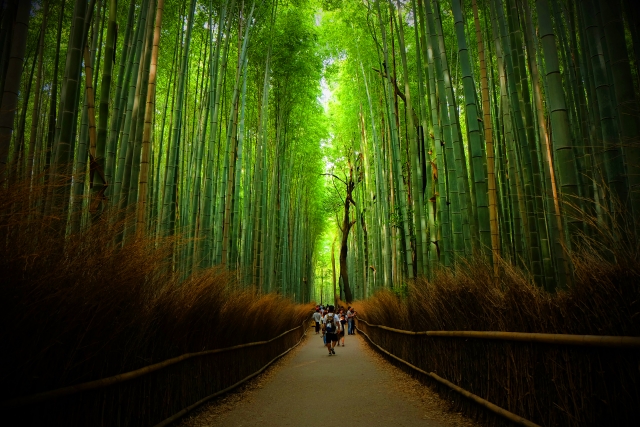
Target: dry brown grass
{"x":548,"y":384}
{"x":79,"y":307}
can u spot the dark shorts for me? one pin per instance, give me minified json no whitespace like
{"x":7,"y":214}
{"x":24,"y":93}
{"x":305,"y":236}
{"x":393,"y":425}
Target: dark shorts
{"x":332,"y":337}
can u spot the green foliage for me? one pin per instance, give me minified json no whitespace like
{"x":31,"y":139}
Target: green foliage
{"x":394,"y":86}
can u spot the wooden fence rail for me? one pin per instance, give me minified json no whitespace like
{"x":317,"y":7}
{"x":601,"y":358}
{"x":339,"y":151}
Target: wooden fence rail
{"x":494,"y":408}
{"x":565,"y":339}
{"x":188,"y":409}
{"x":104,"y":382}
{"x":623,"y":342}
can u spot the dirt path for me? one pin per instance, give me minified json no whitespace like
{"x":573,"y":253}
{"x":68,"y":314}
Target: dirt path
{"x":356,"y":386}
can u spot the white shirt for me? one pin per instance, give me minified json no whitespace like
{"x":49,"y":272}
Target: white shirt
{"x":336,"y":321}
{"x":317,"y":316}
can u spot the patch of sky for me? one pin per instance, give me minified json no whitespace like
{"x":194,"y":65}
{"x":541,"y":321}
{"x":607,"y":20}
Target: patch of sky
{"x":200,"y":8}
{"x":328,"y":165}
{"x":215,"y":27}
{"x":327,"y":143}
{"x":410,"y":18}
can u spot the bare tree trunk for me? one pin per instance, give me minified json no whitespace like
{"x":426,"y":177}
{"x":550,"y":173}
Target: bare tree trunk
{"x":346,"y":227}
{"x":333,"y":266}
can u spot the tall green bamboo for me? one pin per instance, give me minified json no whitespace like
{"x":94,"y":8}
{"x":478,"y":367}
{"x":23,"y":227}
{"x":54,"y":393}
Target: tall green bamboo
{"x":11,"y":81}
{"x":513,"y":195}
{"x":478,"y":158}
{"x":232,"y":140}
{"x":259,"y":180}
{"x":560,"y":127}
{"x":521,"y":150}
{"x":397,"y":164}
{"x":119,"y":104}
{"x":488,"y":139}
{"x":416,"y":168}
{"x":140,"y":116}
{"x":169,"y":198}
{"x":68,"y":109}
{"x":606,"y":136}
{"x":146,"y":138}
{"x":98,"y":178}
{"x":35,"y":117}
{"x":556,"y":229}
{"x":216,"y":85}
{"x":626,"y":102}
{"x":129,"y":124}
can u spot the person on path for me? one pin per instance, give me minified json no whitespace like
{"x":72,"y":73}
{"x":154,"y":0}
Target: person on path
{"x":350,"y":320}
{"x":323,"y":330}
{"x":354,"y":314}
{"x":317,"y":317}
{"x":343,"y":322}
{"x":331,"y":326}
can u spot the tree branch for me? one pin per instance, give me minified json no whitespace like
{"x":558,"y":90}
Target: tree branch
{"x":416,"y":121}
{"x":336,"y":177}
{"x":338,"y":222}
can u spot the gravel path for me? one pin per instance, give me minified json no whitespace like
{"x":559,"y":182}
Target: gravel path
{"x":356,"y":386}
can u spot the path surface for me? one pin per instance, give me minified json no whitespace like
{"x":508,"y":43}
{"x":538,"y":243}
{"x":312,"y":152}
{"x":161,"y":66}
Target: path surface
{"x":346,"y":388}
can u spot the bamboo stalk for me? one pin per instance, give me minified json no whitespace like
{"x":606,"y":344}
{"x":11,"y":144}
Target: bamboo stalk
{"x":148,"y":116}
{"x":490,"y":406}
{"x":9,"y":97}
{"x":88,"y":67}
{"x":104,"y":382}
{"x":562,"y":339}
{"x":488,"y":138}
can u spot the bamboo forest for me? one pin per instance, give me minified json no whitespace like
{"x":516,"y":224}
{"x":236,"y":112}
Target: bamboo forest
{"x":188,"y":187}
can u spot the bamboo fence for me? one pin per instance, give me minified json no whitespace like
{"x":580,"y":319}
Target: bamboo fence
{"x":157,"y":394}
{"x":527,"y":379}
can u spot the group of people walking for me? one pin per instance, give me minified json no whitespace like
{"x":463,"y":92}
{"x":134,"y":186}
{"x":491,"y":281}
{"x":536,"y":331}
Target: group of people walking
{"x":332,"y":325}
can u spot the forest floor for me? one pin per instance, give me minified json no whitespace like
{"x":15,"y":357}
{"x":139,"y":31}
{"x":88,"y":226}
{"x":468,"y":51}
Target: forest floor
{"x":357,"y":387}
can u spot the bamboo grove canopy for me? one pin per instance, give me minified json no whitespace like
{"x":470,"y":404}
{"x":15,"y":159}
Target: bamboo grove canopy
{"x":505,"y":129}
{"x":198,"y":119}
{"x":502,"y":129}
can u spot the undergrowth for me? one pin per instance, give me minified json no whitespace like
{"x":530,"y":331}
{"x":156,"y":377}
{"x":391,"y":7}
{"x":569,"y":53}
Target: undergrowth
{"x":548,"y":384}
{"x":76,"y":307}
{"x":603,"y":300}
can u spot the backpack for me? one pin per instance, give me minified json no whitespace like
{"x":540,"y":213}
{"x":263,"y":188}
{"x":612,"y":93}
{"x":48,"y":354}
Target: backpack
{"x":330,"y":325}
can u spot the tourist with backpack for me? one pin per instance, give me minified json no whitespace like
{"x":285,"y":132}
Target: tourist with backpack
{"x":331,"y":327}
